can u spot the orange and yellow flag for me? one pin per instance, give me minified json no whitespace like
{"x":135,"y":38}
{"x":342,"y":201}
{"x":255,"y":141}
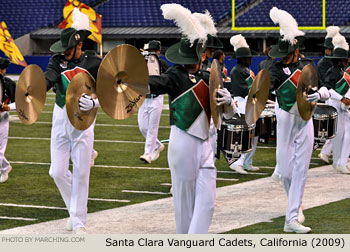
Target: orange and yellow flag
{"x":8,"y":46}
{"x":95,"y":19}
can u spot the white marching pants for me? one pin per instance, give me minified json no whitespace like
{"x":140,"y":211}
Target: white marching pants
{"x":327,"y":147}
{"x":4,"y":132}
{"x":193,"y":178}
{"x":68,"y":142}
{"x":148,"y":119}
{"x":295,"y":139}
{"x":341,"y":142}
{"x":213,"y":136}
{"x":246,"y":159}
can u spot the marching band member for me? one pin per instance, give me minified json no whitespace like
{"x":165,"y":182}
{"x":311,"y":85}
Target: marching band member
{"x":66,"y":141}
{"x":7,"y":104}
{"x":212,"y":43}
{"x":295,"y":136}
{"x":337,"y":81}
{"x":241,"y":80}
{"x":323,"y":66}
{"x":190,"y":156}
{"x":148,"y":116}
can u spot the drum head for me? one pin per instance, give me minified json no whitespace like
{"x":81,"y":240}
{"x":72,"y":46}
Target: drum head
{"x":324,"y":111}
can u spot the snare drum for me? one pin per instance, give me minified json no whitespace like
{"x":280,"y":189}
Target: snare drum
{"x":325,"y":122}
{"x":237,"y":136}
{"x":266,"y":122}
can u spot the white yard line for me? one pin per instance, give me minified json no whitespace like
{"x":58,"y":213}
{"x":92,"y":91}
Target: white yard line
{"x":102,"y":125}
{"x":109,"y":200}
{"x":17,"y":218}
{"x":32,"y":206}
{"x":96,"y":140}
{"x":145,"y":192}
{"x":227,"y":179}
{"x":249,"y":173}
{"x":131,"y":167}
{"x":267,"y":200}
{"x":166,"y":184}
{"x":97,"y":166}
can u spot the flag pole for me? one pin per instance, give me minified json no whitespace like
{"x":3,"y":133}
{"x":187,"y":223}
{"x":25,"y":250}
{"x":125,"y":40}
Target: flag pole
{"x":101,"y":52}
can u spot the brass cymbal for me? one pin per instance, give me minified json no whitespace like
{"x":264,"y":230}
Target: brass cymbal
{"x":257,"y":97}
{"x":215,"y":82}
{"x":82,"y":83}
{"x":30,"y":94}
{"x":122,"y":81}
{"x":308,"y":79}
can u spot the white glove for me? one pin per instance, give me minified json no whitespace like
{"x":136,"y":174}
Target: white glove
{"x":87,"y":103}
{"x":324,"y":93}
{"x":313,"y":97}
{"x":226,"y":97}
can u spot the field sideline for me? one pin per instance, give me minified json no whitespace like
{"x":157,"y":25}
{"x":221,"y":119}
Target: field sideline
{"x":118,"y":178}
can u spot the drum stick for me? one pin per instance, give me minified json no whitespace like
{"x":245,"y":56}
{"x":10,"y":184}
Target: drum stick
{"x":271,"y":102}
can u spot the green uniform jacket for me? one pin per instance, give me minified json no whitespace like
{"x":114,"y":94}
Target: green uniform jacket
{"x":337,"y":79}
{"x":60,"y":72}
{"x":284,"y":80}
{"x":190,"y":97}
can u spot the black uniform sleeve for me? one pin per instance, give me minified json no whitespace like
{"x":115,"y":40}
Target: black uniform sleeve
{"x":165,"y":83}
{"x":52,"y":73}
{"x":164,"y":65}
{"x":10,"y":86}
{"x":275,"y":77}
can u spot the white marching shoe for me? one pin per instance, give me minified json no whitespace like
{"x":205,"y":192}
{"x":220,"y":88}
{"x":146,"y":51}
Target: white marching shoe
{"x":69,"y":225}
{"x":80,"y":230}
{"x":5,"y":175}
{"x":277,"y":178}
{"x":145,"y":158}
{"x":93,"y":157}
{"x":250,"y":168}
{"x":157,"y":152}
{"x":301,"y":216}
{"x":238,"y":168}
{"x":324,"y":158}
{"x":341,"y":169}
{"x":296,"y":227}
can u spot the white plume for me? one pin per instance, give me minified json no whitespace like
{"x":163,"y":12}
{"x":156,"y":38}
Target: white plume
{"x":332,"y":31}
{"x":340,"y":42}
{"x":183,"y":18}
{"x":288,"y":25}
{"x":238,"y":41}
{"x":80,"y":20}
{"x":207,"y":22}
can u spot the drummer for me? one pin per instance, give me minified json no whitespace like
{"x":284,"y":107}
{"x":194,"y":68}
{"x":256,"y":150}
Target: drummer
{"x":190,"y":156}
{"x":148,"y":116}
{"x":294,"y":135}
{"x":323,"y":66}
{"x":241,"y":80}
{"x":8,"y":89}
{"x":337,"y":80}
{"x":66,"y":141}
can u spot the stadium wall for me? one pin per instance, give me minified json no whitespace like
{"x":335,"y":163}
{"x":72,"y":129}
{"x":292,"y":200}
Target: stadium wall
{"x":43,"y":61}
